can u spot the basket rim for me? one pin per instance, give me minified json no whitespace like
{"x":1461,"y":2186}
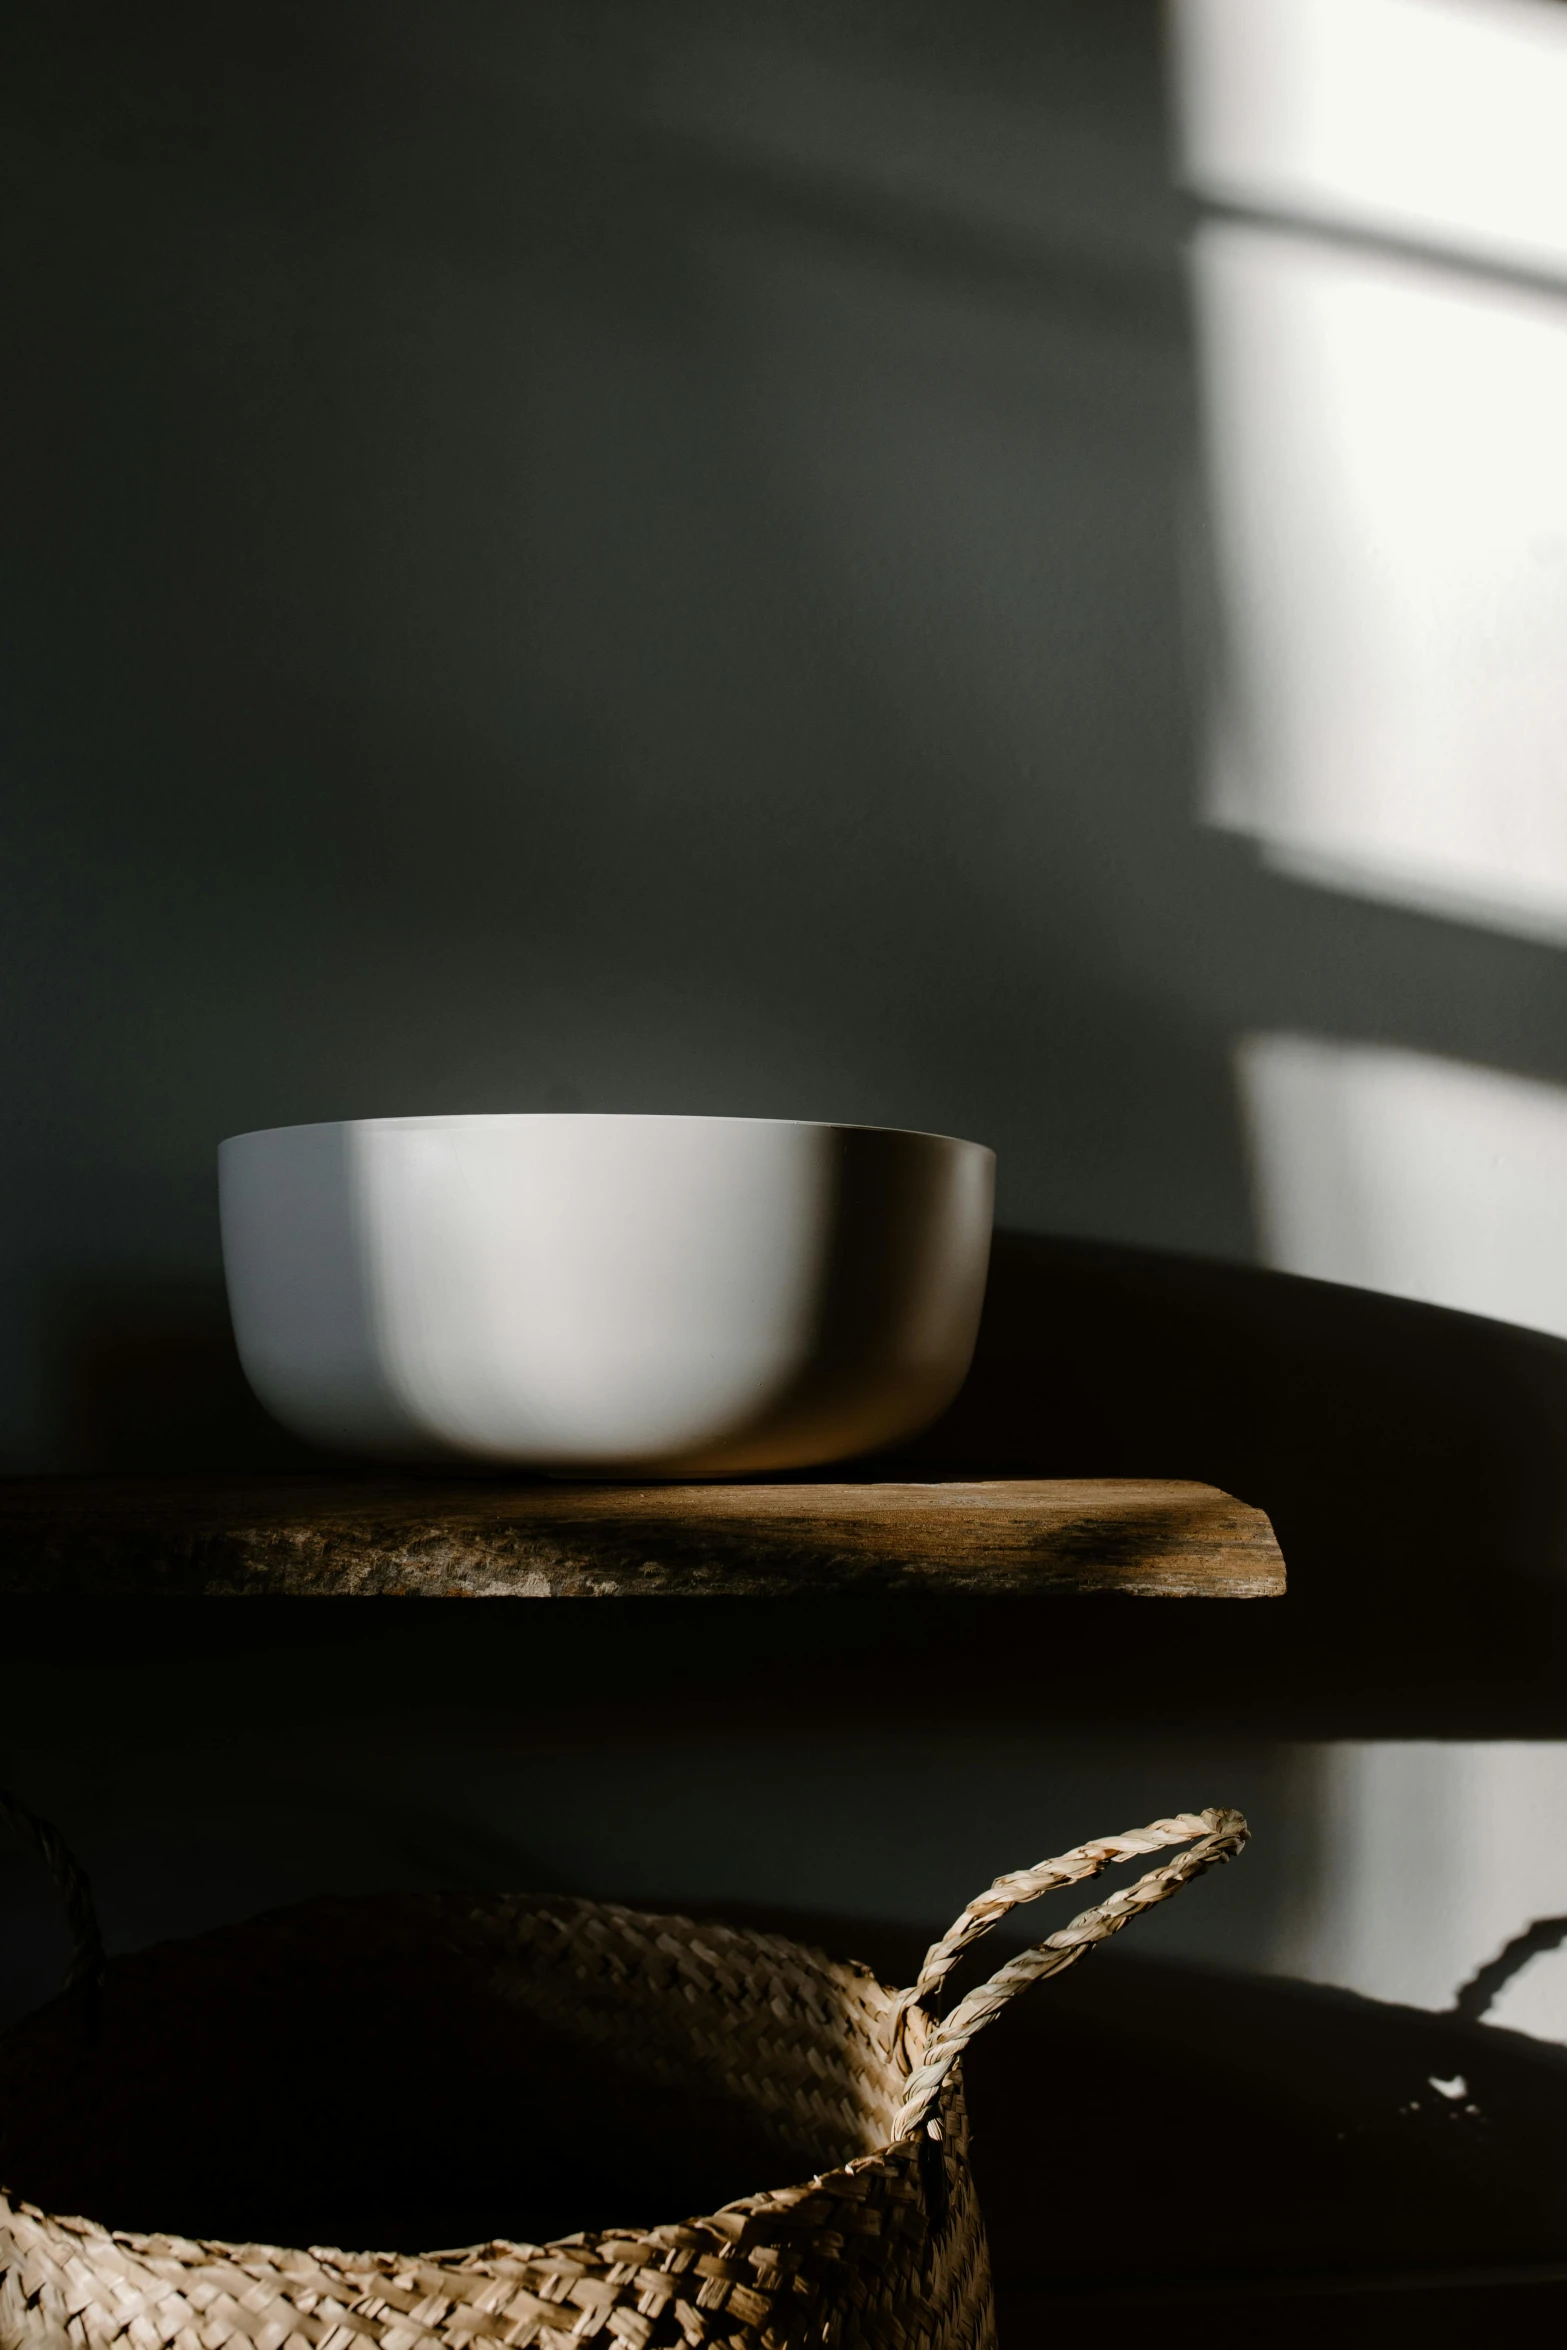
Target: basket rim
{"x":730,"y":2218}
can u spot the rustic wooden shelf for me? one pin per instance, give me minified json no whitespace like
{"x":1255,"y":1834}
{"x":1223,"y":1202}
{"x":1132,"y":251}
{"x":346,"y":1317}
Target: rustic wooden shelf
{"x":331,"y":1537}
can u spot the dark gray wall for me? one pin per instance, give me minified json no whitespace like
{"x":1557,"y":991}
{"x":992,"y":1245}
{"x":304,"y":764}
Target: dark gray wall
{"x":622,"y":557}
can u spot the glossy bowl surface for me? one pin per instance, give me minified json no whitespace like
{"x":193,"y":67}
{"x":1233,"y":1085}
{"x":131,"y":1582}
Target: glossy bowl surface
{"x":605,"y":1295}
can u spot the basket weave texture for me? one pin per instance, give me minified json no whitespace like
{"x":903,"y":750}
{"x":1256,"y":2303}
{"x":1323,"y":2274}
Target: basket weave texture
{"x":880,"y":2247}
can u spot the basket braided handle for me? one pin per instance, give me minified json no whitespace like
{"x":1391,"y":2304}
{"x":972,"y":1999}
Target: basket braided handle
{"x":1211,"y":1837}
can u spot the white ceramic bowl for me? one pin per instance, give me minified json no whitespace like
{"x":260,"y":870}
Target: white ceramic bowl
{"x":610,"y":1296}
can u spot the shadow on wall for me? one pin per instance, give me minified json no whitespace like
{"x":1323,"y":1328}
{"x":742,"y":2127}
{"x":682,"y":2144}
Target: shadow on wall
{"x":1413,"y":1461}
{"x":1250,"y":2128}
{"x":142,"y":1376}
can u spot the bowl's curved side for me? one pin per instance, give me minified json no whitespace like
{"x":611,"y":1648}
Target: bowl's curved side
{"x":664,"y":1297}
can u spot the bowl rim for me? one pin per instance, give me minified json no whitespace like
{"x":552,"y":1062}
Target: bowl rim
{"x":437,"y":1120}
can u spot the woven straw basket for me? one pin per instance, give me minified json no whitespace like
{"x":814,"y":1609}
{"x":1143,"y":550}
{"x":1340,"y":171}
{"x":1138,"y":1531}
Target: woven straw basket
{"x":743,"y":2044}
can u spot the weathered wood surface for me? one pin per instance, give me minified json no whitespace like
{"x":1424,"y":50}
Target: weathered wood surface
{"x":399,"y":1538}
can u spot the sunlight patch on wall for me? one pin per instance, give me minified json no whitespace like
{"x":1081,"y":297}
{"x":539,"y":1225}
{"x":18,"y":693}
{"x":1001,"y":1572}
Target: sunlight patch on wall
{"x":1387,"y":469}
{"x":1420,"y":1177}
{"x":1436,"y":120}
{"x":1438,"y":1857}
{"x":1388,"y":474}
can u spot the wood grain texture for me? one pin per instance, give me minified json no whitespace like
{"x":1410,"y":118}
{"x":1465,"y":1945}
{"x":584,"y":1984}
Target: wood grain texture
{"x":338,"y":1537}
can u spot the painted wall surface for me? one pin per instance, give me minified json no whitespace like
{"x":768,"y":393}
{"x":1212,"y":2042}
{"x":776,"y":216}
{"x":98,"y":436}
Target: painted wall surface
{"x":623,"y":558}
